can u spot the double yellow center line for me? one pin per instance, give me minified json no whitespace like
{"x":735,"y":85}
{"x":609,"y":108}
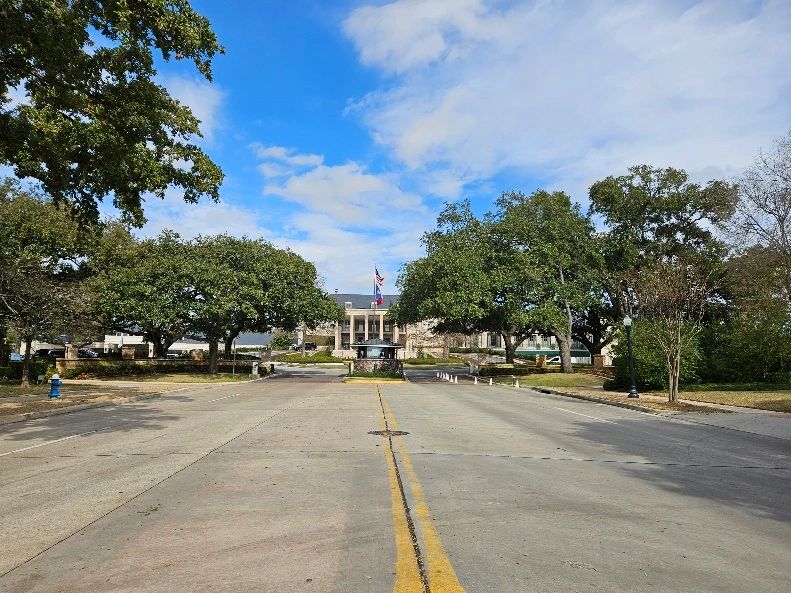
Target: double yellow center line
{"x":417,"y":570}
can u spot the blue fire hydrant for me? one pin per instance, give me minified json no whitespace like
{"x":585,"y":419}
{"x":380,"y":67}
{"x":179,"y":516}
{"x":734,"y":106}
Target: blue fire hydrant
{"x":54,"y":386}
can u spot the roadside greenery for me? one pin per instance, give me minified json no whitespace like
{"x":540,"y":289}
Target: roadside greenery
{"x":376,"y":375}
{"x":95,"y":120}
{"x":429,"y":360}
{"x":704,"y":271}
{"x":316,"y":358}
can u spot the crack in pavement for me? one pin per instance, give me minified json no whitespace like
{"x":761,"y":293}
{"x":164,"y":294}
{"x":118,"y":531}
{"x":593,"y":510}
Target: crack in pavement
{"x":407,"y":511}
{"x":624,"y":461}
{"x":148,"y":489}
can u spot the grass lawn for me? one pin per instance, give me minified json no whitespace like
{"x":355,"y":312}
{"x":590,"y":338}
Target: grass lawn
{"x":555,"y":380}
{"x":778,"y":401}
{"x":591,"y":386}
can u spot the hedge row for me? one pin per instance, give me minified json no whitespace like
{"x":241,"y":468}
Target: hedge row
{"x":115,"y":369}
{"x":429,"y":360}
{"x":507,"y":371}
{"x":13,"y":372}
{"x":377,"y":374}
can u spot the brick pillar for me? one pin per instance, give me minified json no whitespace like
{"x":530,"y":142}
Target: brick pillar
{"x":598,"y":362}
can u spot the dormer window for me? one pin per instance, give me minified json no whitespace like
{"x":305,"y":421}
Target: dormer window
{"x":348,"y":304}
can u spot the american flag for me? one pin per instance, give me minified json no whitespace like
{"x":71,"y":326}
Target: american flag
{"x":378,"y":283}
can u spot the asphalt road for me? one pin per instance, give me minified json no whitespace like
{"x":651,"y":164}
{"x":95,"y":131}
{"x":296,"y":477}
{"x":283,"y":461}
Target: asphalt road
{"x":278,"y":485}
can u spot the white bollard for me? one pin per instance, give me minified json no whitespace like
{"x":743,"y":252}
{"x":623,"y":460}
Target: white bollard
{"x":437,"y":374}
{"x":490,"y":380}
{"x":516,"y":383}
{"x":476,"y":380}
{"x":456,"y":379}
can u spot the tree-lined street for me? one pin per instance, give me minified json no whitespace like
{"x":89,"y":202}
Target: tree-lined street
{"x":277,"y":485}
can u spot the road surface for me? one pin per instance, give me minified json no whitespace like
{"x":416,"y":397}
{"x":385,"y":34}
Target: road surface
{"x":303,"y":483}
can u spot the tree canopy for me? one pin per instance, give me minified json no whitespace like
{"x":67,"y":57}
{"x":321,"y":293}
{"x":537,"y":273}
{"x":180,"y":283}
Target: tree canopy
{"x":42,"y":255}
{"x":93,"y":122}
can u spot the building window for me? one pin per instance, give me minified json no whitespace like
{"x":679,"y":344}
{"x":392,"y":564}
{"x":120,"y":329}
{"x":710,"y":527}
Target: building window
{"x":348,"y":304}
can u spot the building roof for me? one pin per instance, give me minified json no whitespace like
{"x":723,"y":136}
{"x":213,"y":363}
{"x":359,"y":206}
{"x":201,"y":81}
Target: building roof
{"x":363,"y":301}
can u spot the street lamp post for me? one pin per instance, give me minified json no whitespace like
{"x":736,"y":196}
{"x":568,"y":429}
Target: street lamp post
{"x":627,"y":322}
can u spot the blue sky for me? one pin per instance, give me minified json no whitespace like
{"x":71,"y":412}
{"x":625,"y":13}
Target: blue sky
{"x":342,"y":127}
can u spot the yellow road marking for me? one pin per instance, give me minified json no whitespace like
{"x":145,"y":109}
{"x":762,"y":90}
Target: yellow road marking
{"x":441,"y":576}
{"x":407,"y":574}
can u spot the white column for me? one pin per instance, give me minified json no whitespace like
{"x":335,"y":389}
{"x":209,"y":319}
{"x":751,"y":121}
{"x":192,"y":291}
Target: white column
{"x":351,"y":329}
{"x":366,"y":327}
{"x":381,"y":326}
{"x":395,"y":334}
{"x":338,"y":330}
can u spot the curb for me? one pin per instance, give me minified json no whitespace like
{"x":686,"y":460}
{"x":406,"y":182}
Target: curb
{"x":76,"y":408}
{"x":608,"y":402}
{"x":597,"y":400}
{"x":372,"y":381}
{"x":113,"y":402}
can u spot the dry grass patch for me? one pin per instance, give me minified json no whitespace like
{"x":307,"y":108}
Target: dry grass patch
{"x":777,"y":401}
{"x":17,"y":400}
{"x":644,"y":402}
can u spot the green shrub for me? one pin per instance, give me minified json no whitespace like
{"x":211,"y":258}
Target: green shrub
{"x":116,"y":369}
{"x":650,"y":366}
{"x":5,"y":373}
{"x":37,"y":367}
{"x":282,"y":342}
{"x":429,"y":360}
{"x":318,"y":357}
{"x":499,"y":371}
{"x":377,"y":374}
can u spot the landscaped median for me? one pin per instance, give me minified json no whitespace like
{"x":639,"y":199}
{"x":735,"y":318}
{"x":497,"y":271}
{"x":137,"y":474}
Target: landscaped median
{"x":766,"y":397}
{"x":375,"y":377}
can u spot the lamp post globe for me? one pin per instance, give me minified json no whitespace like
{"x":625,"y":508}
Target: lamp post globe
{"x":627,"y":322}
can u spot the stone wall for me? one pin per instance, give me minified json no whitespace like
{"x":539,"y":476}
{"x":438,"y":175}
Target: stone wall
{"x":387,"y":365}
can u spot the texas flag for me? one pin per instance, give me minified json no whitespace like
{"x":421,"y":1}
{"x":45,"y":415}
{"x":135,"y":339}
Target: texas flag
{"x":378,"y":283}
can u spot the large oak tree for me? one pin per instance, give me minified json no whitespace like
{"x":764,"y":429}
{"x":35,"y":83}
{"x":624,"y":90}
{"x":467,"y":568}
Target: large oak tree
{"x":81,"y":110}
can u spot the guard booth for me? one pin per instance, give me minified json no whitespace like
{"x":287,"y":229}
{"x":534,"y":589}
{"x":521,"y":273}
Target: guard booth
{"x":378,"y":355}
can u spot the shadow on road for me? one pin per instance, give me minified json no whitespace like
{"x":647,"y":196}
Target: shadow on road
{"x":145,"y":415}
{"x":750,"y":472}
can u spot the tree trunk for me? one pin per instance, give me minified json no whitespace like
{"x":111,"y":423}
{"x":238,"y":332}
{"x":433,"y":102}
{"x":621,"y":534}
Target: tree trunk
{"x":214,"y":346}
{"x":674,"y":370}
{"x":160,"y":350}
{"x":564,"y":338}
{"x":26,"y":362}
{"x":228,"y":345}
{"x":564,"y":345}
{"x":446,"y":346}
{"x":510,"y":348}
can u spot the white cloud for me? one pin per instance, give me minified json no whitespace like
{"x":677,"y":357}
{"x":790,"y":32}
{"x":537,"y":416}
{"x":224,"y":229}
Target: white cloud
{"x":347,"y":194}
{"x":346,"y":219}
{"x":203,"y":98}
{"x":203,"y":218}
{"x":571,"y":92}
{"x":286,"y":156}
